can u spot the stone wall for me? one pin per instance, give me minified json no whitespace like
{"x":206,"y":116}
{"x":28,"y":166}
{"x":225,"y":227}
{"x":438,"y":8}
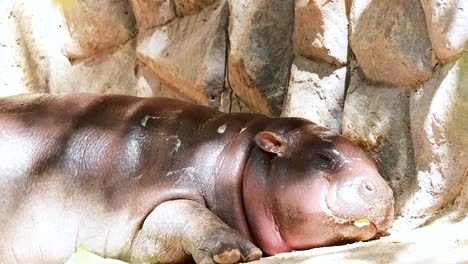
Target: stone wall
{"x":390,"y":75}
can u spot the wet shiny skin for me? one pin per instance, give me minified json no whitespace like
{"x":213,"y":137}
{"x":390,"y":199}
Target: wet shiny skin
{"x":103,"y":171}
{"x":327,"y":181}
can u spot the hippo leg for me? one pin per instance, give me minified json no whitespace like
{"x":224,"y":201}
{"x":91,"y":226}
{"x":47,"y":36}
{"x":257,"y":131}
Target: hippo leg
{"x":176,"y":229}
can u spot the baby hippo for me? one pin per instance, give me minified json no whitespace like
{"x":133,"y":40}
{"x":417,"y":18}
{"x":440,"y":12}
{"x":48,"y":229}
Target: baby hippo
{"x":155,"y":180}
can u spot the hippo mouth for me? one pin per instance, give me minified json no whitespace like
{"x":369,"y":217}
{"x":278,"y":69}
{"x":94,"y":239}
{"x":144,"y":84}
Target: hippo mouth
{"x":366,"y":223}
{"x":349,"y":230}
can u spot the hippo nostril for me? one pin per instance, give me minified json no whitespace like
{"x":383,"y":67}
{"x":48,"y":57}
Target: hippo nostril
{"x":369,"y":187}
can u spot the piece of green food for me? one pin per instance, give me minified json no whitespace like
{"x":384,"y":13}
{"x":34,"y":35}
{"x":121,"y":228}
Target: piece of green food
{"x":82,"y":256}
{"x":361,"y":222}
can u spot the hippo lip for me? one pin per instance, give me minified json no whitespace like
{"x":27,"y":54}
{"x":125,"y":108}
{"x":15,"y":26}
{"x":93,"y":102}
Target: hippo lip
{"x":344,"y":220}
{"x":380,"y":227}
{"x":380,"y":222}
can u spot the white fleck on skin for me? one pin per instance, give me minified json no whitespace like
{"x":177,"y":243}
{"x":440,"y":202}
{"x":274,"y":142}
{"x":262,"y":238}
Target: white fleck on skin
{"x":185,"y":176}
{"x":184,"y":171}
{"x":242,"y":130}
{"x":222,"y":128}
{"x":146,"y":118}
{"x":177,"y":143}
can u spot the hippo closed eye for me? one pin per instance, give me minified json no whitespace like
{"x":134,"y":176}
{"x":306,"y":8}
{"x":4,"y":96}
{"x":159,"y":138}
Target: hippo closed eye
{"x":155,"y":180}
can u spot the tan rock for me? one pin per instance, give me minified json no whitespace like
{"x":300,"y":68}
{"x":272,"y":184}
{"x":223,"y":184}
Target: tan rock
{"x":439,"y":126}
{"x":390,"y":41}
{"x":152,"y":13}
{"x":321,"y":30}
{"x":377,"y":119}
{"x":260,"y":54}
{"x":447,"y":22}
{"x":188,"y":7}
{"x":30,"y":42}
{"x":36,"y":35}
{"x":148,"y":85}
{"x":97,"y":26}
{"x":188,"y":54}
{"x":316,"y":92}
{"x":112,"y":73}
{"x":462,"y":201}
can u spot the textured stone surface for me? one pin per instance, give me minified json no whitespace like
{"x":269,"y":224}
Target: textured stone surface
{"x":96,"y":26}
{"x":447,"y":21}
{"x":188,"y":7}
{"x":188,"y":54}
{"x":230,"y":103}
{"x":461,"y":202}
{"x":148,"y":85}
{"x":26,"y":45}
{"x":377,"y":119}
{"x":16,"y":75}
{"x":390,"y":41}
{"x":316,"y":92}
{"x":260,"y":53}
{"x":33,"y":47}
{"x":151,"y":13}
{"x":30,"y":46}
{"x":439,"y":126}
{"x":321,"y":30}
{"x":113,"y":73}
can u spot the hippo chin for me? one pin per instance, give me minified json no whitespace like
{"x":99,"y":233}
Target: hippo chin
{"x":155,"y":180}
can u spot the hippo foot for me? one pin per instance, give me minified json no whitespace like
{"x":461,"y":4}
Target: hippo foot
{"x":225,"y":246}
{"x":182,"y":229}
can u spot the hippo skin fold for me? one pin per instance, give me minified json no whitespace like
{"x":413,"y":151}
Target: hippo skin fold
{"x":156,"y":180}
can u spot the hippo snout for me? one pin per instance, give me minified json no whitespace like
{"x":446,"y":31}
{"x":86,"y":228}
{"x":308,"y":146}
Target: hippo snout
{"x":362,"y":197}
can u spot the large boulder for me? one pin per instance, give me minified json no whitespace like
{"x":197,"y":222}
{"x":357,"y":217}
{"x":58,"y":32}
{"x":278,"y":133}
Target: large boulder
{"x":260,"y":52}
{"x":189,"y":54}
{"x":447,"y":22}
{"x":439,"y":127}
{"x":316,"y":92}
{"x":321,"y":30}
{"x":26,"y":48}
{"x":390,"y":41}
{"x":112,"y":73}
{"x":152,"y":13}
{"x":96,"y":27}
{"x":31,"y":52}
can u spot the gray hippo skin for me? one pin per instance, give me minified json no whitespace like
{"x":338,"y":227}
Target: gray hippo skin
{"x":155,"y":180}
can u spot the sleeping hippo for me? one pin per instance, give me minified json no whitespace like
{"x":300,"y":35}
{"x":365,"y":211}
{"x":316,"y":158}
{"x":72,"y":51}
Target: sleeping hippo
{"x":156,"y":180}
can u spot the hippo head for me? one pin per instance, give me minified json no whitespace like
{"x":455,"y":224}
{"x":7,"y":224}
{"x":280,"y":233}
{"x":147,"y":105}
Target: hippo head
{"x":310,"y":187}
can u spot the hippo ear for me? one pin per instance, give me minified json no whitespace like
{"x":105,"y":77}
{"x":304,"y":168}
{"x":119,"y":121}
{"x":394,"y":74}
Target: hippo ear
{"x":270,"y":142}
